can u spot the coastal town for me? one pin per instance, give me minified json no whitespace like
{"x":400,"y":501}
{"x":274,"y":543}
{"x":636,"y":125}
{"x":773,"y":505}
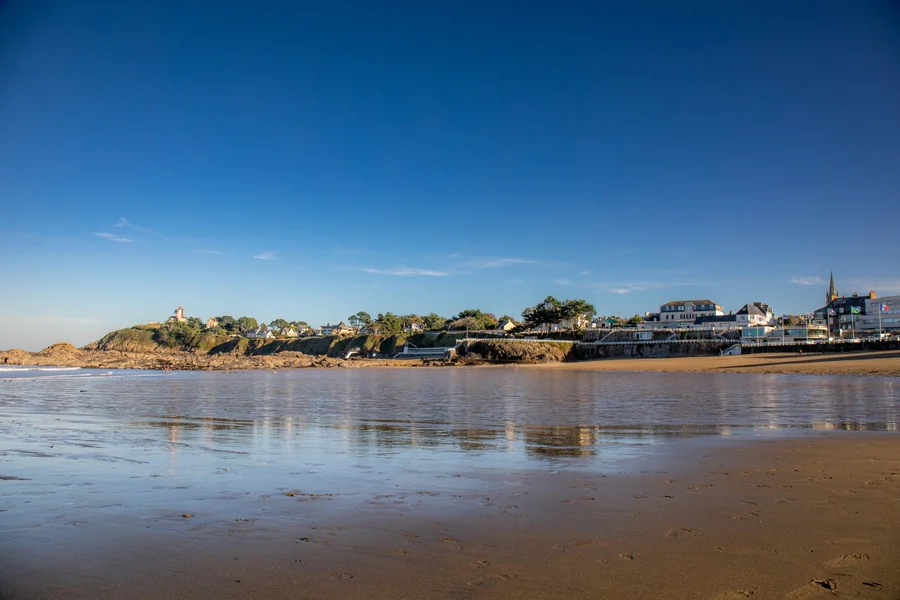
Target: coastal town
{"x":850,"y":318}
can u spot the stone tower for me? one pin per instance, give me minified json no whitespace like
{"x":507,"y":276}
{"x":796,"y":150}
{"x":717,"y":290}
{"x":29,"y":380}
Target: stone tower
{"x":831,"y":294}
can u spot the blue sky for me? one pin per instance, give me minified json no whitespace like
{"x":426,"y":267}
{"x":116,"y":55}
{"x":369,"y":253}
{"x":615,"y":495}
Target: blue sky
{"x":309,"y":160}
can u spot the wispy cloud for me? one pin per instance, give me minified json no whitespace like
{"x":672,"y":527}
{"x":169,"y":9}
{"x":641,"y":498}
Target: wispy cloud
{"x":494,"y":263}
{"x":406,"y":272}
{"x":642,"y":286}
{"x":807,"y":280}
{"x":113,"y":238}
{"x":622,"y":288}
{"x":264,"y":256}
{"x":204,"y":251}
{"x":125,"y":223}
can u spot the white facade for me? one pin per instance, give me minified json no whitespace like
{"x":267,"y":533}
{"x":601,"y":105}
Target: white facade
{"x":260,"y":333}
{"x":754,"y":314}
{"x":339,"y":329}
{"x":788,"y":334}
{"x":684,"y":312}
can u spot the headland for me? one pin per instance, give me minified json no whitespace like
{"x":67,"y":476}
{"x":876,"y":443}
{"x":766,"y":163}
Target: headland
{"x":551,"y":355}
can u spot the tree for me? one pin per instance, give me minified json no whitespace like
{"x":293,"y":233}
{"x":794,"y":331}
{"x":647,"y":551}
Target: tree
{"x":388,"y":323}
{"x":578,"y":312}
{"x":194,"y":323}
{"x":547,"y":313}
{"x":227,"y":322}
{"x":635,"y":320}
{"x":279,"y":324}
{"x":361,"y":320}
{"x":433,"y":322}
{"x":465,"y":323}
{"x":245,"y":324}
{"x":474,"y":319}
{"x":407,"y":321}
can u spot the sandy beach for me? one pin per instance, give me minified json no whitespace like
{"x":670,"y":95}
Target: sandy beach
{"x":862,"y":363}
{"x":815,"y":517}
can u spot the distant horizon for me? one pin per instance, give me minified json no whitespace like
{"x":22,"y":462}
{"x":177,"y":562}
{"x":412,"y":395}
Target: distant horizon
{"x":308,"y":162}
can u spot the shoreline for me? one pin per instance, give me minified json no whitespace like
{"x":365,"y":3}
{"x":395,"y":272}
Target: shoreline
{"x":787,"y":518}
{"x":880,"y":363}
{"x":884,"y":363}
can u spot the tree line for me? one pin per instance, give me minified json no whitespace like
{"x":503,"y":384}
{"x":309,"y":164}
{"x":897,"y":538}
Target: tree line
{"x":566,"y":314}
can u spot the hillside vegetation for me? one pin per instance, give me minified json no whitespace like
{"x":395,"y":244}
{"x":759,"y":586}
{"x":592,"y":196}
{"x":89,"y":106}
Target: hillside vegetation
{"x":182,"y":338}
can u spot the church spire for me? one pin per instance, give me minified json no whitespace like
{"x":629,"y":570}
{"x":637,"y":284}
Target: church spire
{"x":832,"y":292}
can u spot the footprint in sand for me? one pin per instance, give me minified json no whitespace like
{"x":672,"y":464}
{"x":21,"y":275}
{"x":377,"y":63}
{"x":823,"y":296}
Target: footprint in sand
{"x":733,"y":595}
{"x":848,"y":540}
{"x":682,"y":532}
{"x":737,"y":550}
{"x":846,"y":560}
{"x":338,"y":575}
{"x":814,"y":589}
{"x":753,"y":514}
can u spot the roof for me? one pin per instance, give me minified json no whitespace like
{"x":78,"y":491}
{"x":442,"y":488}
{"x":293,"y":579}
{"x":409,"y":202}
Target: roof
{"x":716,"y":319}
{"x":677,"y":302}
{"x":859,"y":301}
{"x":752,"y":309}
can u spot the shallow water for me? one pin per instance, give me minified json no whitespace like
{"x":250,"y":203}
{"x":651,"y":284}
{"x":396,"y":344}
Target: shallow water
{"x":105,"y":451}
{"x":85,"y":419}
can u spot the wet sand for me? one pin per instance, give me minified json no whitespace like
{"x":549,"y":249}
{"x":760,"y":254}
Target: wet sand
{"x":862,"y":363}
{"x":809,"y":517}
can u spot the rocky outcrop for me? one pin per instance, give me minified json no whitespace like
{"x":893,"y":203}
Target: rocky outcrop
{"x":187,"y":361}
{"x":518,"y":351}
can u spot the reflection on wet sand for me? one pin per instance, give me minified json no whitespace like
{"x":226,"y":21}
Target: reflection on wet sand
{"x":146,"y":475}
{"x":559,"y":441}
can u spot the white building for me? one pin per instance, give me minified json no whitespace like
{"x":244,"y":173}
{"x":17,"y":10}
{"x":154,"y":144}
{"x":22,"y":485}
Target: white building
{"x":680,"y":313}
{"x":789,"y":334}
{"x":505,"y":325}
{"x":260,"y":333}
{"x":755,"y":313}
{"x":339,"y":329}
